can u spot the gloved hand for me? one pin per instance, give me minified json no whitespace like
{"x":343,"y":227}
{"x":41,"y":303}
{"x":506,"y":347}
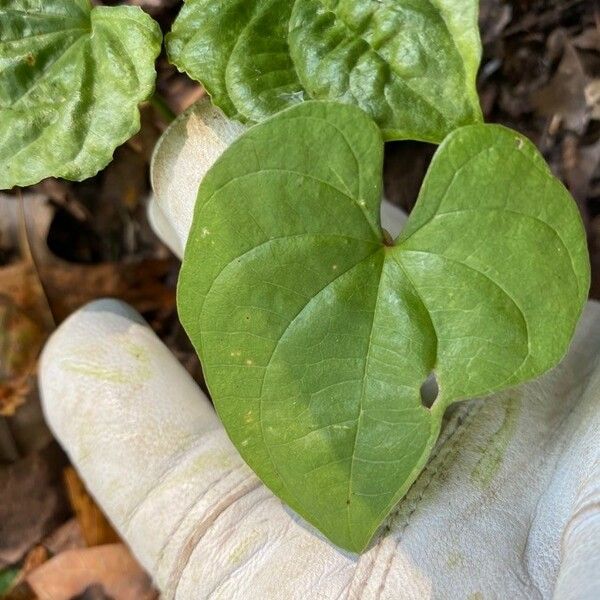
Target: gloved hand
{"x":508,"y":506}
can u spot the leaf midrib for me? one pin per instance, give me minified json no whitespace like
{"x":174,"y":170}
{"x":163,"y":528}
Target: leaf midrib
{"x":266,"y":368}
{"x":361,"y":399}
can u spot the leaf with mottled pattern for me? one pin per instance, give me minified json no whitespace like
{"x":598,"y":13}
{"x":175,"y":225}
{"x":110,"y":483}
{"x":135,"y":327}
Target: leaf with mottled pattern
{"x":71,"y":79}
{"x":238,"y":50}
{"x":411,"y":64}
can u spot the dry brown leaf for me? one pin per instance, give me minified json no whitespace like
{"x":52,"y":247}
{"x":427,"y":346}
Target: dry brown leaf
{"x":494,"y":16}
{"x":179,"y":91}
{"x":589,"y":39}
{"x":28,"y":430}
{"x":592,"y":98}
{"x":144,"y":141}
{"x":20,"y":282}
{"x":94,"y":592}
{"x":71,"y":573}
{"x":21,"y":340}
{"x":66,"y":286}
{"x":24,"y":223}
{"x":66,"y":537}
{"x":25,"y":322}
{"x":33,"y":502}
{"x":13,"y":394}
{"x":20,"y":591}
{"x":582,"y":169}
{"x":70,"y":286}
{"x":35,"y":558}
{"x":564,"y":95}
{"x":94,"y":526}
{"x":141,"y":284}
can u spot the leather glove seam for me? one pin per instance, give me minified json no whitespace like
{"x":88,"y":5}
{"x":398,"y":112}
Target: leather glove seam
{"x":181,"y":563}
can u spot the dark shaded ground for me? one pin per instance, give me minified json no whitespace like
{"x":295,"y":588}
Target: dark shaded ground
{"x":540,"y":75}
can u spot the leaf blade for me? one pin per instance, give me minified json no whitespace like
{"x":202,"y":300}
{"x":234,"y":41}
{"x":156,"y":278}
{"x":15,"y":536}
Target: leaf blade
{"x":410,"y":65}
{"x":513,"y":207}
{"x":61,"y":91}
{"x":315,"y":337}
{"x":202,"y":40}
{"x":260,"y":77}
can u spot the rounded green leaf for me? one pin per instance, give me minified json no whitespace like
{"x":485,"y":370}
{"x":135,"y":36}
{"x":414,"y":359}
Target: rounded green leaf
{"x":238,"y":50}
{"x":261,"y":77}
{"x":316,"y":337}
{"x":410,"y":64}
{"x":202,"y":39}
{"x":71,"y":79}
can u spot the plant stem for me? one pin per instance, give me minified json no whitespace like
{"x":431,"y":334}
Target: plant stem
{"x":162,"y":108}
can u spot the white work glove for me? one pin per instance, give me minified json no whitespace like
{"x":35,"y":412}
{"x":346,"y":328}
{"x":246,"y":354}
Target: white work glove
{"x":508,"y":506}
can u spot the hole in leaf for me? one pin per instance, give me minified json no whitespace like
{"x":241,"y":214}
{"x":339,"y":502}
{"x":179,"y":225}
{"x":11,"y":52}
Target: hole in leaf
{"x":429,"y":391}
{"x":405,"y":165}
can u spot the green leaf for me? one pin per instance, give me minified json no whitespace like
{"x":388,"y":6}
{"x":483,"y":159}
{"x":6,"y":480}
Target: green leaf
{"x":7,"y":578}
{"x":315,"y":337}
{"x":238,"y":50}
{"x":71,"y":79}
{"x":261,"y":78}
{"x":411,"y":65}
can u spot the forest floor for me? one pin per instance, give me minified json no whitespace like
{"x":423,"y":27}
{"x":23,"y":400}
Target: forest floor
{"x":64,"y":244}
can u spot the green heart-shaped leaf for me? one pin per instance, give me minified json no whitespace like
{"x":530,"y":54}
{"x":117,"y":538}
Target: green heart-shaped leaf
{"x":410,"y":65}
{"x":71,"y":79}
{"x":315,"y":336}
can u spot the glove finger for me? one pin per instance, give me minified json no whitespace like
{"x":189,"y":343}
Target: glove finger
{"x":572,"y":500}
{"x":142,"y":434}
{"x":152,"y":451}
{"x":578,"y":577}
{"x":183,"y":155}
